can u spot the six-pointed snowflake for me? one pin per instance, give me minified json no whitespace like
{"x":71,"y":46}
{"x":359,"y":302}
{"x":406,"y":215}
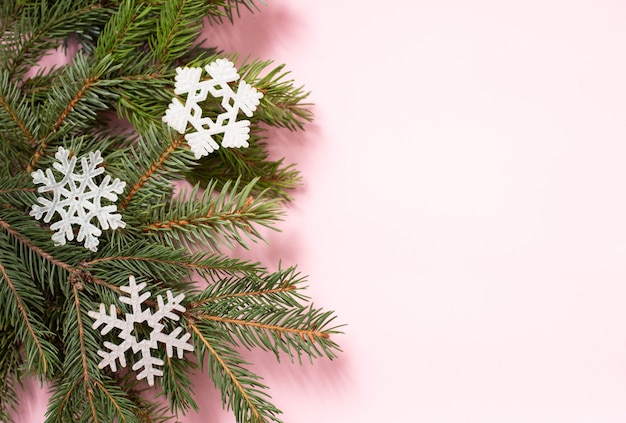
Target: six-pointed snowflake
{"x":236,"y":133}
{"x":128,"y":336}
{"x":77,"y":199}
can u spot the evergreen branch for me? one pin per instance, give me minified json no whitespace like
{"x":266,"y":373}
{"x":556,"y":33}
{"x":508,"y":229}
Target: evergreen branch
{"x":229,"y":372}
{"x":110,"y":402}
{"x":280,"y":288}
{"x":283,"y":103}
{"x":304,"y":334}
{"x":111,"y":398}
{"x":4,"y":101}
{"x":128,"y":53}
{"x":16,"y":192}
{"x":73,"y":102}
{"x":15,"y":234}
{"x":239,"y":387}
{"x":17,"y":124}
{"x":79,"y":95}
{"x":147,"y":411}
{"x":213,"y":220}
{"x":231,"y":8}
{"x":142,"y":93}
{"x":53,"y":260}
{"x":10,"y":374}
{"x":145,"y":261}
{"x":158,"y":164}
{"x":88,"y":394}
{"x":259,"y":293}
{"x":141,"y":77}
{"x":293,"y":331}
{"x":267,"y":312}
{"x":83,"y":353}
{"x":206,"y":265}
{"x":9,"y":12}
{"x":40,"y":151}
{"x":22,"y":310}
{"x":247,"y":164}
{"x":162,"y":54}
{"x":38,"y":87}
{"x":43,"y":24}
{"x":11,"y":190}
{"x":83,"y":392}
{"x":177,"y":385}
{"x":67,"y":396}
{"x":125,"y":32}
{"x":177,"y":28}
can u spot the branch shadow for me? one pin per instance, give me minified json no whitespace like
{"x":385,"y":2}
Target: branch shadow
{"x":256,"y":34}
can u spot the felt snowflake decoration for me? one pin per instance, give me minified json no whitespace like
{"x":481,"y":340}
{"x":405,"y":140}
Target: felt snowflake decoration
{"x":128,"y":331}
{"x":236,"y":132}
{"x":77,"y":199}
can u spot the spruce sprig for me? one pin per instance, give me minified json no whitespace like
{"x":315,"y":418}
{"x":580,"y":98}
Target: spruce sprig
{"x":181,"y":214}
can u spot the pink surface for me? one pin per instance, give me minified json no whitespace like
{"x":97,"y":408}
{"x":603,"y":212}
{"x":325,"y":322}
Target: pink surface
{"x":463,"y":209}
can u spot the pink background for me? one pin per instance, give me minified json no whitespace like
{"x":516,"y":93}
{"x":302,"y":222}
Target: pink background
{"x":463,"y":209}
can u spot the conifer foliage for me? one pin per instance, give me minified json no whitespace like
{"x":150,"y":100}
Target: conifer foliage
{"x":107,"y":103}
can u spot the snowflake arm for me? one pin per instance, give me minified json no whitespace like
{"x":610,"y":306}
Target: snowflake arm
{"x":235,"y":133}
{"x":149,"y":365}
{"x":77,"y":199}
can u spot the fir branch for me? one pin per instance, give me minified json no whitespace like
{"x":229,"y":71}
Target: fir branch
{"x":80,"y":93}
{"x":10,"y":374}
{"x":147,"y":411}
{"x":31,"y":246}
{"x":247,"y":164}
{"x":175,"y":143}
{"x":16,"y":191}
{"x":178,"y":26}
{"x":90,"y":396}
{"x":39,"y":152}
{"x":213,"y":220}
{"x":23,"y":310}
{"x":146,"y":260}
{"x":13,"y":190}
{"x":304,"y":334}
{"x":38,"y":26}
{"x":281,"y":288}
{"x":9,"y":13}
{"x":112,"y":399}
{"x":15,"y":109}
{"x":231,"y":8}
{"x":241,"y":389}
{"x":125,"y":32}
{"x":260,"y":293}
{"x":177,"y":385}
{"x":266,"y":313}
{"x":283,"y":103}
{"x":83,"y":354}
{"x":37,"y":88}
{"x":167,"y":262}
{"x":86,"y":85}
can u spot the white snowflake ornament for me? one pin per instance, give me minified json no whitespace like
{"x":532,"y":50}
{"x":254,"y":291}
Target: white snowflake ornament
{"x":128,"y":336}
{"x":236,"y":132}
{"x":77,"y":199}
